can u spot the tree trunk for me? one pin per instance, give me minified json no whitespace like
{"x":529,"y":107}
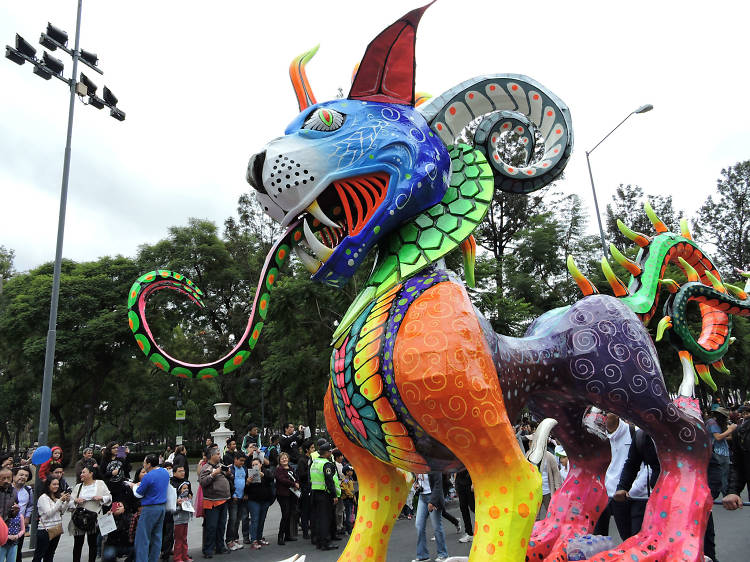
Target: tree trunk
{"x":311,"y":410}
{"x":282,"y":406}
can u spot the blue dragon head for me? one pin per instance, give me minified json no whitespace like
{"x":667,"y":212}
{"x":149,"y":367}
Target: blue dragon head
{"x":354,"y":169}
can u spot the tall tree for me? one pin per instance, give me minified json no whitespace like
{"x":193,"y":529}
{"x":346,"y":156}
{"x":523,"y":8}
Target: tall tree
{"x":627,"y":205}
{"x":724,"y":220}
{"x":6,"y":265}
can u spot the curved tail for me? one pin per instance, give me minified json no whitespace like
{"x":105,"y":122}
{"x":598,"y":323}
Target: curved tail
{"x":149,"y":283}
{"x":716,"y":300}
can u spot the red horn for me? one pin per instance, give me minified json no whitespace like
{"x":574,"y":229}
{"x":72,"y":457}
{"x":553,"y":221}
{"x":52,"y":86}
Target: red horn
{"x":386,"y":73}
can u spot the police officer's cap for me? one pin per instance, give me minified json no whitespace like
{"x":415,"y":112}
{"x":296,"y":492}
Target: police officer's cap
{"x":325,"y":446}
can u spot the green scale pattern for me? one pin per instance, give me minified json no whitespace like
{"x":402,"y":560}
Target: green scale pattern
{"x":433,"y":233}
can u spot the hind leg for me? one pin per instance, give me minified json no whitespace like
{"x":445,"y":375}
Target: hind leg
{"x":382,"y":492}
{"x":576,"y":506}
{"x":448,"y":381}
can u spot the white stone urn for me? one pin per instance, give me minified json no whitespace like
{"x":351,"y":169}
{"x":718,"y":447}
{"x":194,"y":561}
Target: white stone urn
{"x":222,"y":415}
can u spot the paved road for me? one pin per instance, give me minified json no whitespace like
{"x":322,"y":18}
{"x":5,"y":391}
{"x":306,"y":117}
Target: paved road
{"x":732,"y":530}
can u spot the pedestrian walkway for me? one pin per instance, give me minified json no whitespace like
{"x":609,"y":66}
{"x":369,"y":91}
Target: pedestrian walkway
{"x":732,"y":539}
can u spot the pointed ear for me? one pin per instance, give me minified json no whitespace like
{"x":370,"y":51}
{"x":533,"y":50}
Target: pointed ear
{"x":386,"y":73}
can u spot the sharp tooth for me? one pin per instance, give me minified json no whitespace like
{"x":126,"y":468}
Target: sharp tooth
{"x":315,"y":210}
{"x":322,"y":251}
{"x":311,"y":264}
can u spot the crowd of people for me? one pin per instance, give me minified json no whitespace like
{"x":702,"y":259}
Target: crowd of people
{"x":144,"y":513}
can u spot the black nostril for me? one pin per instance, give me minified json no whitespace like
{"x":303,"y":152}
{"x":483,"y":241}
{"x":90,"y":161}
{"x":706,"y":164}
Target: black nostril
{"x":255,"y":171}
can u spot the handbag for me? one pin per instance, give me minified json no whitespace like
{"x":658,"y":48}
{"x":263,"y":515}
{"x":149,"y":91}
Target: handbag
{"x":54,"y":532}
{"x":83,"y":519}
{"x":171,"y":498}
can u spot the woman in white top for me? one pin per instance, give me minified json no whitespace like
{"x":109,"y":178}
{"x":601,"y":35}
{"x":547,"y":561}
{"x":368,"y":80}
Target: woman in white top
{"x":51,"y":506}
{"x":90,"y":494}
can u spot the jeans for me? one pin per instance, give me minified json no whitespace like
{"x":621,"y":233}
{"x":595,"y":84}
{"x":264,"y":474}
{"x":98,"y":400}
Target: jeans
{"x":216,"y":521}
{"x":148,"y":533}
{"x":45,"y":548}
{"x":78,"y":546}
{"x":437,"y":525}
{"x":8,"y":552}
{"x":20,"y":546}
{"x":724,"y":466}
{"x":348,"y":512}
{"x":237,"y":512}
{"x":258,"y":512}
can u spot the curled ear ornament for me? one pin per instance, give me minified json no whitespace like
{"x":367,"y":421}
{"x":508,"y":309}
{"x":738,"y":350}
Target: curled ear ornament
{"x":302,"y":89}
{"x":491,"y":107}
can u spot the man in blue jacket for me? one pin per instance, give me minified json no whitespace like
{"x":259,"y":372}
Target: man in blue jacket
{"x":153,"y":493}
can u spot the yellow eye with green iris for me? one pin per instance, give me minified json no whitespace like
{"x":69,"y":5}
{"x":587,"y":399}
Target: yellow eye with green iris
{"x":324,"y":119}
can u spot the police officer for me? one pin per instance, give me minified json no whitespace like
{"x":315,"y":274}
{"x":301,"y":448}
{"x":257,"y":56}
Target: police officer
{"x":325,"y":494}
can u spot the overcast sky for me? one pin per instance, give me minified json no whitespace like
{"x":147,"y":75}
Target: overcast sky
{"x":205,"y":85}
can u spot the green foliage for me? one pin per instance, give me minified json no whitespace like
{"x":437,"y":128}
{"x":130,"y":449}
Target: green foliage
{"x":725,"y":220}
{"x":100,"y":375}
{"x":627,"y":205}
{"x":6,"y":263}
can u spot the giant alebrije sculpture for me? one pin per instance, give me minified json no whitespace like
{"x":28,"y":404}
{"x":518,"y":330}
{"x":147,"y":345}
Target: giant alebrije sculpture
{"x":419,"y":380}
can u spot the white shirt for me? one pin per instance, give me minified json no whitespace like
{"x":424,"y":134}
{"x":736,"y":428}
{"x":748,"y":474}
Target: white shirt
{"x":424,"y":482}
{"x":619,"y":443}
{"x":545,"y":480}
{"x":564,"y":469}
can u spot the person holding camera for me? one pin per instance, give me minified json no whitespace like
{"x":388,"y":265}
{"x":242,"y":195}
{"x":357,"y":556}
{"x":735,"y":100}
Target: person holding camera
{"x":214,"y":481}
{"x":290,"y":440}
{"x":50,"y":507}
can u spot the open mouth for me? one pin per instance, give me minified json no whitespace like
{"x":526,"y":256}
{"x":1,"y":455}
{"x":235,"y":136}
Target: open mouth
{"x":343,"y":208}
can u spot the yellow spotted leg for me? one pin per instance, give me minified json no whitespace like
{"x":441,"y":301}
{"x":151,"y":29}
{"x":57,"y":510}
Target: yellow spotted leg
{"x":447,"y":379}
{"x":382,"y":492}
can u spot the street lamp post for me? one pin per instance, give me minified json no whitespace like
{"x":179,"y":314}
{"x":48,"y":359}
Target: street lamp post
{"x":642,"y":109}
{"x":46,"y":67}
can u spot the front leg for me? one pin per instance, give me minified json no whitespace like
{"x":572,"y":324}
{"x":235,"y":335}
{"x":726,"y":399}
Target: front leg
{"x":445,"y":373}
{"x":382,"y":492}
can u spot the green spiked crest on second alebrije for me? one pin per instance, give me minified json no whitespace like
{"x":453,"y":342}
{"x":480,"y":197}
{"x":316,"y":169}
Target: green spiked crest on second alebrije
{"x":704,"y":285}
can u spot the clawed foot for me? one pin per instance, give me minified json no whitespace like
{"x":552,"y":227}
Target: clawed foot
{"x":573,"y":511}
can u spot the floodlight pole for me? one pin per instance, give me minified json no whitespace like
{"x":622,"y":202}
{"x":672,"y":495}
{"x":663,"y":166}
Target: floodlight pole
{"x":641,"y":109}
{"x":49,"y":356}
